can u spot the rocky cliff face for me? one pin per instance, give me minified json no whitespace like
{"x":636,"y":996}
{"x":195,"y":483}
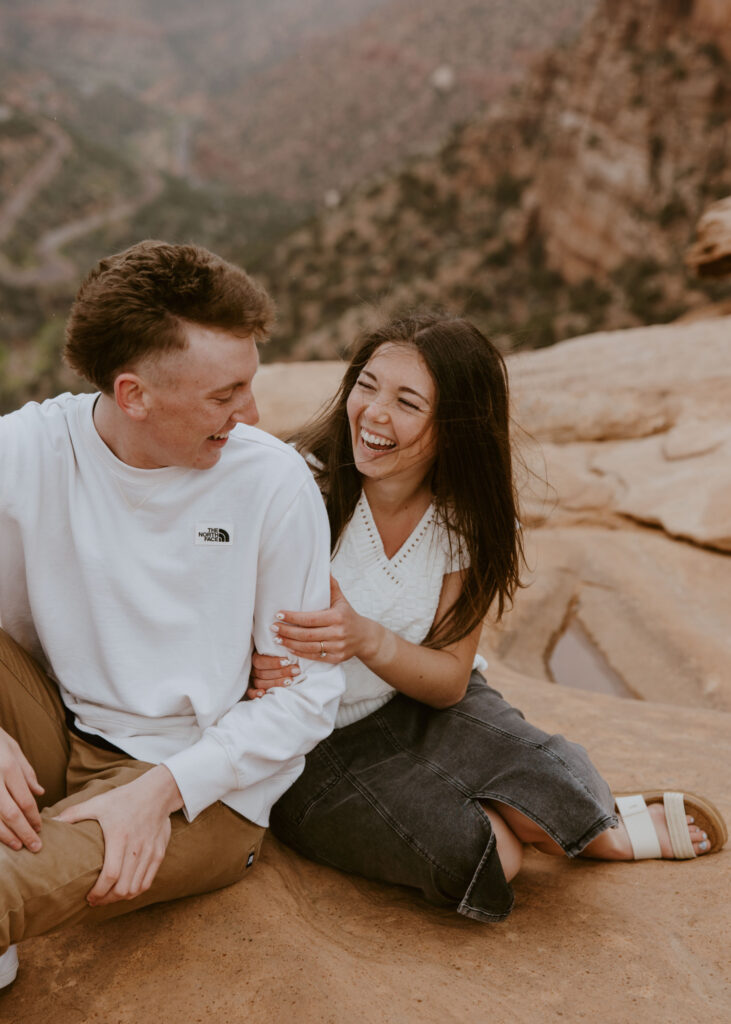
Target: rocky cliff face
{"x":635,"y":137}
{"x":567,"y":209}
{"x":363,"y":99}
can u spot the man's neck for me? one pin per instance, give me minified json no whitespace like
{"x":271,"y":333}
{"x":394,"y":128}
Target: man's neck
{"x":111,"y":427}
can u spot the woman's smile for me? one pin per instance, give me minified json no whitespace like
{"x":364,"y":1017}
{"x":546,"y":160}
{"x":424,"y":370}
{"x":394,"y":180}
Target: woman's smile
{"x":376,"y":442}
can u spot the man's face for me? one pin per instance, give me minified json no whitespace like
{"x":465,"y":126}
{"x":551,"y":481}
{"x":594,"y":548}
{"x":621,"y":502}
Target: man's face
{"x":194,"y":397}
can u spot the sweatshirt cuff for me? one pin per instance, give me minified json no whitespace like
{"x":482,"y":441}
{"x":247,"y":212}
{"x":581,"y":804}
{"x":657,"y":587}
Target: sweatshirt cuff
{"x":203,"y":774}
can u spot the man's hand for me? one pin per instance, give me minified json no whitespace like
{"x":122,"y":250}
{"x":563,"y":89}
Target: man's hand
{"x":20,"y":821}
{"x":135,"y":820}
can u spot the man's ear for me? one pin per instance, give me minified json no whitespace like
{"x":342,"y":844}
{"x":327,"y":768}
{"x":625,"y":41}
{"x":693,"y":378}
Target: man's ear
{"x":131,"y":395}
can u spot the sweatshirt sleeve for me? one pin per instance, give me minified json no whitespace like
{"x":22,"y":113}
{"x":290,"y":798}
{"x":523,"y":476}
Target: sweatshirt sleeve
{"x":258,"y":739}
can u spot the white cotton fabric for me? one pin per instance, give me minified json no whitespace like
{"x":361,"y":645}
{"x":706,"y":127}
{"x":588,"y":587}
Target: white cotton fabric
{"x":119,"y":582}
{"x":402,"y":593}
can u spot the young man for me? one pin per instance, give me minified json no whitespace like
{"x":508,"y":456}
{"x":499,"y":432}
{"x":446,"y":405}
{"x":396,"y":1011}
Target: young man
{"x":148,"y":538}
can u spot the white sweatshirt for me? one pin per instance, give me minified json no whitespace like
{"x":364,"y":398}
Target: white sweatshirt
{"x":142,"y":592}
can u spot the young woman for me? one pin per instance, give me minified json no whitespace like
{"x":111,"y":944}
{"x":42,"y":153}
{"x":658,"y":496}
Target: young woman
{"x":431,"y":779}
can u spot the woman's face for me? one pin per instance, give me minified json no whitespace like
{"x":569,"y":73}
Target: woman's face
{"x":391,"y":414}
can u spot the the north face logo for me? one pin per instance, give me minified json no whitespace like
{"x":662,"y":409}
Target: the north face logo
{"x":206,"y":534}
{"x":214,"y":534}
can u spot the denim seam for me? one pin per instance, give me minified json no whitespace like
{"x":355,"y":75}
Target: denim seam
{"x":527,"y":743}
{"x":408,"y":839}
{"x":468,"y":791}
{"x":300,"y":818}
{"x":418,"y":759}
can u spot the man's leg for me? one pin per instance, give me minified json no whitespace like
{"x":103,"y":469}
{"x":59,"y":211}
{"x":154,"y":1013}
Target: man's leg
{"x":32,"y":713}
{"x":41,"y":891}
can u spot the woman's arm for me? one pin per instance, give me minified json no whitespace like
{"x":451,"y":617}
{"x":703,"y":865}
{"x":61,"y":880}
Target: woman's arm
{"x":436,"y":677}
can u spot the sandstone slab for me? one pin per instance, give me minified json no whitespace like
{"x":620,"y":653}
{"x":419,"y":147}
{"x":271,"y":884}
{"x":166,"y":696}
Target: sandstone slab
{"x":681,"y":482}
{"x":288,"y":394}
{"x":656,"y":610}
{"x":297,"y":941}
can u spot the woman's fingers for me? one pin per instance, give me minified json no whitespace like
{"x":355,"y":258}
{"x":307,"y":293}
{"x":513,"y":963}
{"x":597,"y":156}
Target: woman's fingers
{"x":255,"y":691}
{"x":286,"y":631}
{"x":314,"y":650}
{"x":334,"y":635}
{"x":269,"y":675}
{"x":258,"y":688}
{"x":268,"y":661}
{"x":330,"y":650}
{"x":309,"y":620}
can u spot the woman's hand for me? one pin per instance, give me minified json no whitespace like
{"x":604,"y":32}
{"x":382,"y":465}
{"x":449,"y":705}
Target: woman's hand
{"x":333,"y":635}
{"x":267,"y":671}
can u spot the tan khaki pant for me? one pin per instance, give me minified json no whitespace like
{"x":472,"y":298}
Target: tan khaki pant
{"x":41,"y":891}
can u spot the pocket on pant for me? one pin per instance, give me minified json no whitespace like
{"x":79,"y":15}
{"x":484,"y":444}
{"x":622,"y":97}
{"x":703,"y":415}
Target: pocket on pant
{"x":212,"y":851}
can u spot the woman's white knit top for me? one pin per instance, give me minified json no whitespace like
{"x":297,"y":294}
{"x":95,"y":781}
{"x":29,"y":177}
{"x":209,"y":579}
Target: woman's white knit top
{"x":402,"y":593}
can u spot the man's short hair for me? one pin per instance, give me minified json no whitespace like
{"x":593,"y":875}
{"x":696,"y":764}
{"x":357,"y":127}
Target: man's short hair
{"x":137,"y":303}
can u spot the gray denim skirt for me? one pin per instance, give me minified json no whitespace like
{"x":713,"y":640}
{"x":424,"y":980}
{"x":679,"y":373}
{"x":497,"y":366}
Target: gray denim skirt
{"x":397,"y":796}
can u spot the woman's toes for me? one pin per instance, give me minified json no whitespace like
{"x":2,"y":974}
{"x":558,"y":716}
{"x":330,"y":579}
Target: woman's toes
{"x":699,"y":840}
{"x":698,"y":837}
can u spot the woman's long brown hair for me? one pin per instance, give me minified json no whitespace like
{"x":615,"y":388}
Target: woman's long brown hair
{"x":472,"y":478}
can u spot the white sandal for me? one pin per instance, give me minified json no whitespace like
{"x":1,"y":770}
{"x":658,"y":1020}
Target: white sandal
{"x":641,"y":830}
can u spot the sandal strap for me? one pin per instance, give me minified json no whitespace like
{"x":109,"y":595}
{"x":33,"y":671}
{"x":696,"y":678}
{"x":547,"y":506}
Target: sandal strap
{"x":675,"y":816}
{"x":640,"y":829}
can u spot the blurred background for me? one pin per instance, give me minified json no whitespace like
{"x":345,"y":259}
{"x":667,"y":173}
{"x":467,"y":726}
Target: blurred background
{"x":539,"y":165}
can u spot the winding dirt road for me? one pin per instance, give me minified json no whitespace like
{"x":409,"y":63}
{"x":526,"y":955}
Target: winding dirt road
{"x":52,"y":267}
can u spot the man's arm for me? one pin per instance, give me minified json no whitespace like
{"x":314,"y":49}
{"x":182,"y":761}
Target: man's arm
{"x":257,"y":740}
{"x":250,"y":743}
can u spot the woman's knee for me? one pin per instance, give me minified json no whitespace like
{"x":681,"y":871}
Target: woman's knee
{"x":526,"y":830}
{"x":509,"y":847}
